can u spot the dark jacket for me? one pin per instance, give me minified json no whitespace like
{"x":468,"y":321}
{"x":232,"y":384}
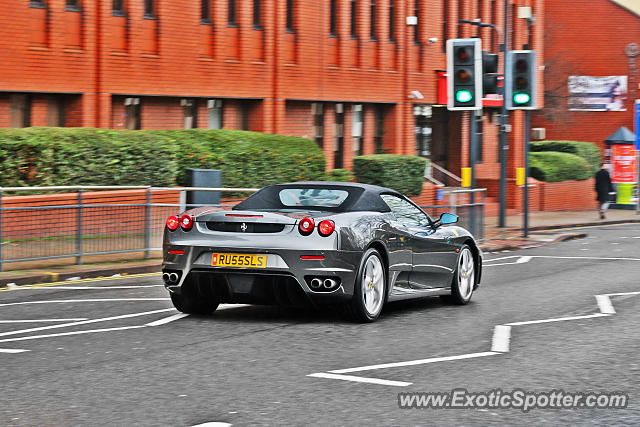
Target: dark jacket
{"x":603,"y":185}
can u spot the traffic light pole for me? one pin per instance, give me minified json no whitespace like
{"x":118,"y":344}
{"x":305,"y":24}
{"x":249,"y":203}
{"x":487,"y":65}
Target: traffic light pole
{"x":473,"y":157}
{"x":503,"y":123}
{"x":527,"y":125}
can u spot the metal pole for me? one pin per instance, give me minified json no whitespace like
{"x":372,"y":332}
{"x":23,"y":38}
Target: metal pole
{"x":472,"y":162}
{"x":527,"y":124}
{"x":503,"y":123}
{"x":79,"y":230}
{"x":147,"y":224}
{"x":0,"y":230}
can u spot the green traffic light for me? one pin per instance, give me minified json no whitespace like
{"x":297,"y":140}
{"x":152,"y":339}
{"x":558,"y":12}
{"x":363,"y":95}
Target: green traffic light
{"x":521,"y":98}
{"x":463,"y":96}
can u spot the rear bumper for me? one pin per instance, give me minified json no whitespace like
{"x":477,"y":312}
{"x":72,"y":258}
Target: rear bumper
{"x":285,"y":281}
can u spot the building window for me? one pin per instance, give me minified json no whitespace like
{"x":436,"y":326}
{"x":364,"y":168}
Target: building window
{"x":356,"y":129}
{"x":20,"y":111}
{"x":245,"y":111}
{"x":460,"y":16}
{"x":257,"y":14}
{"x":117,"y":8}
{"x":373,"y":33}
{"x":55,"y":110}
{"x":132,"y":113}
{"x":354,"y":19}
{"x":379,"y":130}
{"x":392,"y":21}
{"x":205,"y":12}
{"x":149,"y":9}
{"x":40,"y":4}
{"x":290,"y":12}
{"x":416,"y":28}
{"x":480,"y":10}
{"x":189,"y":113}
{"x":317,"y":109}
{"x":514,"y":20}
{"x":494,"y":37}
{"x":215,"y":113}
{"x":72,"y":6}
{"x":338,"y":147}
{"x":232,"y":16}
{"x":333,"y":30}
{"x":423,"y":129}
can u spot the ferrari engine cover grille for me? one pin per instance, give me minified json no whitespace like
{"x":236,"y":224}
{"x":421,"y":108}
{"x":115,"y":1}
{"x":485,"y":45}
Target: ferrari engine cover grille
{"x":245,"y":227}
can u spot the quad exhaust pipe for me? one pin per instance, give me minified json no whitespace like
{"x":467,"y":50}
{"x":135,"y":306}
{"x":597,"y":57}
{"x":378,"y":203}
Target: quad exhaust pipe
{"x":316,"y":283}
{"x":329,"y":283}
{"x":323,"y":283}
{"x":170,"y":278}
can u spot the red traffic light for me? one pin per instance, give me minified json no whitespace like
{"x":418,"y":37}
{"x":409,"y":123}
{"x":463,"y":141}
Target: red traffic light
{"x":463,"y":54}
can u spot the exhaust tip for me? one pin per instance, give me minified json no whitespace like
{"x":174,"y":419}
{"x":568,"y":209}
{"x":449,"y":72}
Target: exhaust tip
{"x":165,"y":277}
{"x":173,"y":277}
{"x":316,"y":283}
{"x":329,"y":283}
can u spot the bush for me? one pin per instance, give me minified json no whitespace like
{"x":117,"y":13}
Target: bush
{"x":587,"y":150}
{"x":86,"y":156}
{"x":404,"y":174}
{"x":341,"y":175}
{"x":554,"y":167}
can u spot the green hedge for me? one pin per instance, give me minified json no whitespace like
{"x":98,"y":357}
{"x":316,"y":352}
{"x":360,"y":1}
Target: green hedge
{"x":401,"y":173}
{"x":87,"y":156}
{"x":587,"y":150}
{"x":340,"y":175}
{"x":553,"y":167}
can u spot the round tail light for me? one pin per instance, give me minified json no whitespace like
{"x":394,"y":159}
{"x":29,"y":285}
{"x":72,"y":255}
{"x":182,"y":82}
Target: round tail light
{"x":306,"y":226}
{"x":326,"y":227}
{"x":173,"y":222}
{"x":186,"y":222}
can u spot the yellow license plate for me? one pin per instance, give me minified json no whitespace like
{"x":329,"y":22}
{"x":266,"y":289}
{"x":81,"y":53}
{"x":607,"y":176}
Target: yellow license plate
{"x":239,"y":260}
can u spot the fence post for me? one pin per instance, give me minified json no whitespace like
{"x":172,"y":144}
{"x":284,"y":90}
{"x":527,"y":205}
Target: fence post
{"x":1,"y":208}
{"x":79,"y":230}
{"x":147,"y":224}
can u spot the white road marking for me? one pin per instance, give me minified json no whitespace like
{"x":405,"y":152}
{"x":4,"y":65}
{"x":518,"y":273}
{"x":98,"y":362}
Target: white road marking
{"x":556,"y":319}
{"x":43,"y":320}
{"x":604,"y":303}
{"x":55,"y":301}
{"x":85,"y":322}
{"x":106,"y":287}
{"x":501,"y":338}
{"x":585,"y":257}
{"x":12,"y":350}
{"x":621,"y":294}
{"x":501,"y":258}
{"x":214,"y":424}
{"x":62,"y":334}
{"x":360,"y":379}
{"x":87,"y":280}
{"x":167,"y":319}
{"x":413,"y":362}
{"x":523,"y":259}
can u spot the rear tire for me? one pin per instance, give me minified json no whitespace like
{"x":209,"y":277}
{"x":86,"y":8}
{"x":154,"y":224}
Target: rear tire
{"x":369,"y":293}
{"x":192,"y":299}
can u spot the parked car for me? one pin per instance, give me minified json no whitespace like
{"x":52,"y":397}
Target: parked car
{"x":321,"y":243}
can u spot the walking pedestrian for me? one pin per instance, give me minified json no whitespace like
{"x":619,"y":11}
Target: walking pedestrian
{"x":603,"y":188}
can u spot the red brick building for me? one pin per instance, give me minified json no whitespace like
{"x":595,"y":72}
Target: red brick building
{"x":600,"y":40}
{"x":356,"y":75}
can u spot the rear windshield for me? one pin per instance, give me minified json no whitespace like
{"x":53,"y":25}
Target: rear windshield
{"x":317,"y":197}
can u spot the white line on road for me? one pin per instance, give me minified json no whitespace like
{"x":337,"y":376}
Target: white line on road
{"x":501,"y":258}
{"x":43,"y":320}
{"x":413,"y":362}
{"x":106,"y":287}
{"x":623,"y":294}
{"x":604,"y":303}
{"x":167,"y":319}
{"x":213,"y":424}
{"x":523,"y":259}
{"x":62,"y":334}
{"x":84,"y":322}
{"x":55,"y":301}
{"x":585,"y":257}
{"x":12,"y":350}
{"x":501,"y":339}
{"x":360,"y":379}
{"x":557,"y":319}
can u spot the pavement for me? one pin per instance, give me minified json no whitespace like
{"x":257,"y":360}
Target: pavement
{"x":561,"y":318}
{"x":545,"y":228}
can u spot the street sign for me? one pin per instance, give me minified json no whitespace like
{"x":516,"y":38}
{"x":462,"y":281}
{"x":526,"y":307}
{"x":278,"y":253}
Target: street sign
{"x":637,"y":123}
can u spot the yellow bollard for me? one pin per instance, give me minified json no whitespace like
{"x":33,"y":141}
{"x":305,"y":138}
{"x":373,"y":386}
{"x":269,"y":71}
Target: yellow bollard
{"x":466,"y":177}
{"x":519,"y":176}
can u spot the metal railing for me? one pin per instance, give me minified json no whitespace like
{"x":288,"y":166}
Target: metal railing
{"x":85,"y":222}
{"x":88,"y":221}
{"x":468,"y":204}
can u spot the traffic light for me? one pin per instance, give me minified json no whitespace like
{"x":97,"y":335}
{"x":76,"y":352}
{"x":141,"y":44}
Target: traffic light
{"x":464,"y":74}
{"x":520,"y":80}
{"x":489,"y":73}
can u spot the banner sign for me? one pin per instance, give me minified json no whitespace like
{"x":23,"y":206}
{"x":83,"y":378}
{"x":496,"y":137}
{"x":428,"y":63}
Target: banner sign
{"x":637,"y":123}
{"x":587,"y":93}
{"x":623,"y":158}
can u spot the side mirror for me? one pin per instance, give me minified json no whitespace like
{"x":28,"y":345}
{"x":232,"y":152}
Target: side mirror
{"x":448,"y":218}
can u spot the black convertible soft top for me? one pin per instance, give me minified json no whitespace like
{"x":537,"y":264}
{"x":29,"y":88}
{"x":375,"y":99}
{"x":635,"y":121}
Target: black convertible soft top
{"x":361,"y":198}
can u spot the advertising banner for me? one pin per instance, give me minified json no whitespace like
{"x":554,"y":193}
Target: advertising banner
{"x":588,"y":93}
{"x":623,"y":158}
